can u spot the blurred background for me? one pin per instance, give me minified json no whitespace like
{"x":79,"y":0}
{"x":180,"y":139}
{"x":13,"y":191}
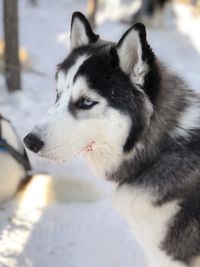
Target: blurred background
{"x":37,"y":229}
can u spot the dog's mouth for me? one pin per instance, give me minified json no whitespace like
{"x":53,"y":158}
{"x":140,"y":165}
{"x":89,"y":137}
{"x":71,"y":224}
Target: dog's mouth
{"x":58,"y":154}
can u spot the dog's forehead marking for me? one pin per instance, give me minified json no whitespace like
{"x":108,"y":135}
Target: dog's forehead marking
{"x":61,"y":80}
{"x":80,"y":88}
{"x":65,"y":80}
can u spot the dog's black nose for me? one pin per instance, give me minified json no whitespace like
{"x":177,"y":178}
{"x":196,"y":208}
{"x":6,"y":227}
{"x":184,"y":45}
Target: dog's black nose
{"x":33,"y":143}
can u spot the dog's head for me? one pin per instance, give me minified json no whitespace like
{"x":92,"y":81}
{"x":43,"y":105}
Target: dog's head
{"x":104,"y":96}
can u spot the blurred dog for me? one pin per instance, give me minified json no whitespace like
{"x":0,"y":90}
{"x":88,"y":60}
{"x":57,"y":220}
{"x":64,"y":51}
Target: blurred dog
{"x":138,"y":125}
{"x":150,"y":12}
{"x":13,"y":160}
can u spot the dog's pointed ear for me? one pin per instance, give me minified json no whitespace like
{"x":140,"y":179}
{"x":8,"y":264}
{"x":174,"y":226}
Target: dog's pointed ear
{"x":134,"y":52}
{"x":81,"y":31}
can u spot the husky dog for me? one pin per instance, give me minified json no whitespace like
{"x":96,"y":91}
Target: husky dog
{"x":138,"y":125}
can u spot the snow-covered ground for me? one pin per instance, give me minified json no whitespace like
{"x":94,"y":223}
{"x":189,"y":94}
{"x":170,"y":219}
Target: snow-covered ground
{"x":75,"y":234}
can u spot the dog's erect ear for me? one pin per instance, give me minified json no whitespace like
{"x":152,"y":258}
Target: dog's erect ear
{"x":81,"y":31}
{"x":134,"y":52}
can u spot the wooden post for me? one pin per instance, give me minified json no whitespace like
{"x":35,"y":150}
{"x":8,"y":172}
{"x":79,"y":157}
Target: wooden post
{"x":91,"y":11}
{"x":12,"y":64}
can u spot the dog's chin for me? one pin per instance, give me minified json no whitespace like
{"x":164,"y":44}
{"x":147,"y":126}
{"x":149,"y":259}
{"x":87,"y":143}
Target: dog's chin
{"x":55,"y":157}
{"x":61,"y":155}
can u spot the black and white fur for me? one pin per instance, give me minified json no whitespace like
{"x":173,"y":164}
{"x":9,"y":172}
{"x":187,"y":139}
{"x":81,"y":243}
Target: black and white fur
{"x":138,"y":125}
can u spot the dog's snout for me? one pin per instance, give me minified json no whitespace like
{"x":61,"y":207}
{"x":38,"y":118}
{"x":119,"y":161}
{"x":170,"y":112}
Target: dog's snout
{"x":33,"y":143}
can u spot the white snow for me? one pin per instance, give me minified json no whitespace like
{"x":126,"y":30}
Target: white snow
{"x":75,"y":234}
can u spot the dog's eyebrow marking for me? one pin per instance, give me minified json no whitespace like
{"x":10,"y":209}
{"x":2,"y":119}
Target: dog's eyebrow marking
{"x":61,"y":81}
{"x":65,"y":80}
{"x":67,"y":63}
{"x":98,"y":49}
{"x":78,"y":71}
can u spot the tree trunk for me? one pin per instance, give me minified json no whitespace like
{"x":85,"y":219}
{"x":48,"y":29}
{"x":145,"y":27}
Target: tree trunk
{"x":91,"y":11}
{"x":12,"y":64}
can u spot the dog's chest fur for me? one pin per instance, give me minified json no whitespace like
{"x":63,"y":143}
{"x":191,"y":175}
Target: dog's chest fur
{"x":148,"y":222}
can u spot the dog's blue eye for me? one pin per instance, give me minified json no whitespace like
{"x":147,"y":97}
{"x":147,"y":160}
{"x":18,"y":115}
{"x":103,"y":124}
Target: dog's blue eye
{"x":86,"y":103}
